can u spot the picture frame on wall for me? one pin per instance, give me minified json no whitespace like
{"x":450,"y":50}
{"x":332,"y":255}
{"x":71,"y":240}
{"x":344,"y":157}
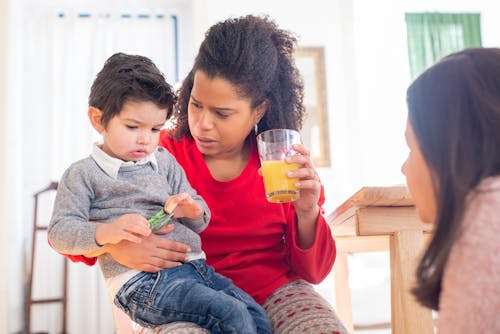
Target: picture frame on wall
{"x":311,"y":64}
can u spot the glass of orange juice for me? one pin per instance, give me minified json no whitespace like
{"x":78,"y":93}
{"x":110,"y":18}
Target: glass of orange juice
{"x":274,"y":145}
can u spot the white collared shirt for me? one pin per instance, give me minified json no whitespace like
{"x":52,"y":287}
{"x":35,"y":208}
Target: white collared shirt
{"x":112,"y":165}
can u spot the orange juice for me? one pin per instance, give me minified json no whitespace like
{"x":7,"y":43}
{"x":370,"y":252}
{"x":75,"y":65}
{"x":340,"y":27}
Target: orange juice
{"x":279,"y":187}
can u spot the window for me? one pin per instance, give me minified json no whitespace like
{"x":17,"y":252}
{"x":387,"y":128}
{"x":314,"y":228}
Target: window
{"x":434,"y":35}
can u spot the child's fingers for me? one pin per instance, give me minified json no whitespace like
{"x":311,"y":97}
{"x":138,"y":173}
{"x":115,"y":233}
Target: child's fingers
{"x":183,"y":205}
{"x":175,"y":200}
{"x":143,"y":231}
{"x":165,"y":229}
{"x":184,"y":196}
{"x":183,"y":199}
{"x":198,"y":212}
{"x":140,"y":227}
{"x":193,"y":210}
{"x":170,"y":206}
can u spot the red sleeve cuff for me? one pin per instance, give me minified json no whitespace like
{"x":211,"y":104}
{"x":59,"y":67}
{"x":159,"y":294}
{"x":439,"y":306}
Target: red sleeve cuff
{"x":90,"y":261}
{"x":315,"y":263}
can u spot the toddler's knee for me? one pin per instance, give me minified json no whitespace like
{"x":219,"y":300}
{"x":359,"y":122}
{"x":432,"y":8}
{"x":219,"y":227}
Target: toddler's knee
{"x":239,"y":318}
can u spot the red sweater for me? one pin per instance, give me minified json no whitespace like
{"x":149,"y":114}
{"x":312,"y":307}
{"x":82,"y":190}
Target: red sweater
{"x":248,"y":239}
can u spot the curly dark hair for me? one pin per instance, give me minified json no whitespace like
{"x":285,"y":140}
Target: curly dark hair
{"x":257,"y":57}
{"x":129,"y":78}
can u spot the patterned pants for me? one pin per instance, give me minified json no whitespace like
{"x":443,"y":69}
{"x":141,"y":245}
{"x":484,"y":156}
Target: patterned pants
{"x":295,"y":308}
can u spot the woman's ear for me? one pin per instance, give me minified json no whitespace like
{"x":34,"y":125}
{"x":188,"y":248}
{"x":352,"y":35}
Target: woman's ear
{"x":260,"y":111}
{"x":95,"y":117}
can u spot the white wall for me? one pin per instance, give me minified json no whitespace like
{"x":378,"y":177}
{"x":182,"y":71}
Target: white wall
{"x":4,"y":9}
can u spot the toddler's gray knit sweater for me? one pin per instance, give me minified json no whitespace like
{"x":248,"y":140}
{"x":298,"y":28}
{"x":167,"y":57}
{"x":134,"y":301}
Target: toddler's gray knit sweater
{"x":86,"y":194}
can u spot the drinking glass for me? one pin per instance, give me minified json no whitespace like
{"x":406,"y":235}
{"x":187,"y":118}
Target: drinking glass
{"x":274,"y":145}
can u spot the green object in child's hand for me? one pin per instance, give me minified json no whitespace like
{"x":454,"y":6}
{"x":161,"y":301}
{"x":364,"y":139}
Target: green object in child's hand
{"x":160,"y":219}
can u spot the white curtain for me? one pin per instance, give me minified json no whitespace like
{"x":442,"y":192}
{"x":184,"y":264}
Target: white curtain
{"x":60,"y":52}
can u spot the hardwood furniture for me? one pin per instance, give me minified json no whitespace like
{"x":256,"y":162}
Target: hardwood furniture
{"x":30,"y":299}
{"x":381,"y":219}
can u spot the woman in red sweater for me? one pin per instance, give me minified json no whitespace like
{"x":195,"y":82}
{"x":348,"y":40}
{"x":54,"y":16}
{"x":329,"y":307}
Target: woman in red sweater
{"x":244,"y":81}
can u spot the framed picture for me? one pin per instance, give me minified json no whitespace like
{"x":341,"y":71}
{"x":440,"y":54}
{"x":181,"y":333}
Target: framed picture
{"x":311,"y":64}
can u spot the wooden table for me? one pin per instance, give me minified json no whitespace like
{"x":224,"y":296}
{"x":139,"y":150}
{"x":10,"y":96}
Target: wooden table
{"x":381,"y":219}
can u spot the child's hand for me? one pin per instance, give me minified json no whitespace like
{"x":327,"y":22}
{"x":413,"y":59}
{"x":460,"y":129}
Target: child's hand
{"x":183,"y":206}
{"x":165,"y":229}
{"x":127,"y":227}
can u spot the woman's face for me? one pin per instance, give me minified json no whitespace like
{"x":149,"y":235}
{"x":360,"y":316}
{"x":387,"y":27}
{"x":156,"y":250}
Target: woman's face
{"x":219,"y":118}
{"x":419,"y":179}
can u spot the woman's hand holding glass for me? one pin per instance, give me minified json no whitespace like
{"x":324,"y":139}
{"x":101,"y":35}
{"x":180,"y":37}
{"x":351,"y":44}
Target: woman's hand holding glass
{"x":309,"y":185}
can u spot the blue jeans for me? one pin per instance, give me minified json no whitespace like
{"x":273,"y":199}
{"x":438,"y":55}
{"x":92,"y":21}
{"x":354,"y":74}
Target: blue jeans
{"x":192,"y":292}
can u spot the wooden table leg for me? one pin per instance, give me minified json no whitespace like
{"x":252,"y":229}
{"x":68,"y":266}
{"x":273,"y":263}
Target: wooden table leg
{"x":407,"y":315}
{"x":342,"y":291}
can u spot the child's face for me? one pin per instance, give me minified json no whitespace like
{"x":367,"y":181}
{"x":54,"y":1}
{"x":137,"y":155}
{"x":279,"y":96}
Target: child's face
{"x":418,"y":178}
{"x":133,"y":133}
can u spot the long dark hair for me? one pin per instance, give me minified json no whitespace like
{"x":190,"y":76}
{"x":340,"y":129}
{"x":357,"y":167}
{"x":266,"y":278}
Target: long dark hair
{"x":454,"y":110}
{"x":257,"y":57}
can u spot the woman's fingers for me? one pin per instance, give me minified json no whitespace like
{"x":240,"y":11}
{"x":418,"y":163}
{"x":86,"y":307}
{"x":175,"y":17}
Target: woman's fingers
{"x":306,"y":170}
{"x":303,"y":158}
{"x":152,"y":254}
{"x":159,"y":265}
{"x":166,"y":245}
{"x":168,"y":259}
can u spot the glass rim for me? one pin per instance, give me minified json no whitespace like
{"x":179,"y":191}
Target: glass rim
{"x":279,"y":130}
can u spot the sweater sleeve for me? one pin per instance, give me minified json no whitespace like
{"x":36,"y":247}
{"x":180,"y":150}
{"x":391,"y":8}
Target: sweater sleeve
{"x":315,"y":263}
{"x":70,"y":231}
{"x":90,"y":261}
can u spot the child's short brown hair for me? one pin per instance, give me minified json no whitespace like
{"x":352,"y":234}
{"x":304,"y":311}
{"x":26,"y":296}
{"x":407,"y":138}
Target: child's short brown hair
{"x":129,"y":77}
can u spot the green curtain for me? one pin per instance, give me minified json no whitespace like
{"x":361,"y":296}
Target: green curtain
{"x":434,"y":35}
